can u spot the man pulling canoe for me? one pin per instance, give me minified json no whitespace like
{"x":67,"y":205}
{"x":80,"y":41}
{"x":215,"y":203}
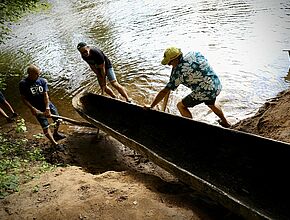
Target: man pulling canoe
{"x":102,"y":67}
{"x":193,"y":71}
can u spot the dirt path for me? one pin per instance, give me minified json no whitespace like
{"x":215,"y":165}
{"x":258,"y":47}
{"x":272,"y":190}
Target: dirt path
{"x":103,"y":179}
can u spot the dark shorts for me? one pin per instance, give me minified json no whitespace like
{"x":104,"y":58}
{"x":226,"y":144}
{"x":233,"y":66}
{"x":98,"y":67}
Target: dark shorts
{"x":43,"y":121}
{"x":188,"y":101}
{"x":2,"y":98}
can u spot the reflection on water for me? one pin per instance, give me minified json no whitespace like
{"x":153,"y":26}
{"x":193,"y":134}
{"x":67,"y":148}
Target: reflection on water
{"x":243,"y":40}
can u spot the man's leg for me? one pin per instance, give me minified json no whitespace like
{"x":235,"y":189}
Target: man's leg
{"x":7,"y":104}
{"x":113,"y":80}
{"x":48,"y":134}
{"x":109,"y":91}
{"x":2,"y":112}
{"x":184,"y":111}
{"x":120,"y":89}
{"x":187,"y":102}
{"x":43,"y":121}
{"x":56,"y":135}
{"x":218,"y":111}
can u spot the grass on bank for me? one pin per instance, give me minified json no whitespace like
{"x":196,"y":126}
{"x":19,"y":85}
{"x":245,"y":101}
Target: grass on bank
{"x":20,"y":161}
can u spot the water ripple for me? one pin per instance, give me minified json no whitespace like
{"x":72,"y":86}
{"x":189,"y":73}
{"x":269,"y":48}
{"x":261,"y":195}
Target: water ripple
{"x":243,"y":40}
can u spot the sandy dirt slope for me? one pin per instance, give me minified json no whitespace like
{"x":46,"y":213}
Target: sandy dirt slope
{"x":104,"y":179}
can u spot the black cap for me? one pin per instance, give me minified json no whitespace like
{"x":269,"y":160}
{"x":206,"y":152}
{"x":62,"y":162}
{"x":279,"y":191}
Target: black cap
{"x":81,"y":44}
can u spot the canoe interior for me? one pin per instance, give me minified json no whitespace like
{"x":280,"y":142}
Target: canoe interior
{"x":247,"y":169}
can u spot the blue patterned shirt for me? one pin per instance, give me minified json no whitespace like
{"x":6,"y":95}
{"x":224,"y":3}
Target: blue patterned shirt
{"x":194,"y":72}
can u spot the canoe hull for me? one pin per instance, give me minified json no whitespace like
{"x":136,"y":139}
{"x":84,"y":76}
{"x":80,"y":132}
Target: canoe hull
{"x":245,"y":173}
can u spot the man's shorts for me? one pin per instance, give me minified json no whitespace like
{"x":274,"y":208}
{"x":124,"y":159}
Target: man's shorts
{"x":111,"y":74}
{"x":2,"y":98}
{"x":188,"y":101}
{"x":43,"y":121}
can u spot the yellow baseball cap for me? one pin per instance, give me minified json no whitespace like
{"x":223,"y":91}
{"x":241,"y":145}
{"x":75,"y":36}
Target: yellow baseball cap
{"x":170,"y":54}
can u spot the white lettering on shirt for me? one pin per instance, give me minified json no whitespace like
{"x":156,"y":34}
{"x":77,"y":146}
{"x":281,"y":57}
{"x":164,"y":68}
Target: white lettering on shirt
{"x":36,"y":90}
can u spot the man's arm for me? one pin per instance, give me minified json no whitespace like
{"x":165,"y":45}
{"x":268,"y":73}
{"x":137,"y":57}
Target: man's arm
{"x":33,"y":110}
{"x":100,"y":71}
{"x":46,"y":102}
{"x":164,"y":92}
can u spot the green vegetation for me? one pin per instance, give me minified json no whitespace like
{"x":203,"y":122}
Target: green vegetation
{"x":13,"y":63}
{"x":12,"y":10}
{"x":19,"y":161}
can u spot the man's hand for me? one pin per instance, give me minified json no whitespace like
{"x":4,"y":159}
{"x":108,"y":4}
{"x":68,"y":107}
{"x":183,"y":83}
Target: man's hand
{"x":35,"y":111}
{"x":47,"y":113}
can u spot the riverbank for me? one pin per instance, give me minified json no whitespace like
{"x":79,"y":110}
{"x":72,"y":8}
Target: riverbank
{"x":272,"y":120}
{"x":103,"y":179}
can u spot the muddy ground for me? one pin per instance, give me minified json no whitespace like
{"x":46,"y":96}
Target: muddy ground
{"x":99,"y":178}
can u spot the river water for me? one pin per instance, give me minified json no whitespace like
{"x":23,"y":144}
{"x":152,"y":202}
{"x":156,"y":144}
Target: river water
{"x":242,"y":39}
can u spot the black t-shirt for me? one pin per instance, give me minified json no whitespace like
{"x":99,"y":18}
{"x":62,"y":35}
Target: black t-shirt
{"x":33,"y":91}
{"x":97,"y":57}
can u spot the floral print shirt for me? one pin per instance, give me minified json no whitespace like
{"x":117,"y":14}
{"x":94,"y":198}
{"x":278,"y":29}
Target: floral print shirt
{"x":194,"y":72}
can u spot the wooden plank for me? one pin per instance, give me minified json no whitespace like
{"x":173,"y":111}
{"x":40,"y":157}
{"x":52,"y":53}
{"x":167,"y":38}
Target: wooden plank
{"x":72,"y":121}
{"x":75,"y":122}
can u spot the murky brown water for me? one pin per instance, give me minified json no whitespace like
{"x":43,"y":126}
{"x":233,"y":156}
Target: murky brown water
{"x":243,"y":40}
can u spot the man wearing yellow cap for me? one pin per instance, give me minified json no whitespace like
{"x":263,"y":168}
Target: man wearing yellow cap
{"x":193,"y":71}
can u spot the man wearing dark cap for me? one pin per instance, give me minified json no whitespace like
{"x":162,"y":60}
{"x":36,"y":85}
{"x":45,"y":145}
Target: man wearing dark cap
{"x":102,"y":67}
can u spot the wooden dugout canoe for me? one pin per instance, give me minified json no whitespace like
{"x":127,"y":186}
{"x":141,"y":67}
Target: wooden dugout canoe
{"x":243,"y":172}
